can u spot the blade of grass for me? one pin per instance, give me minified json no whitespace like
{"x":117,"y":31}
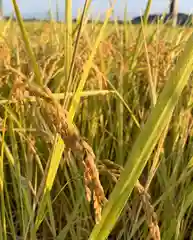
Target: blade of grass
{"x":60,"y":96}
{"x":27,"y":44}
{"x":53,"y":167}
{"x":68,"y":43}
{"x":3,"y":231}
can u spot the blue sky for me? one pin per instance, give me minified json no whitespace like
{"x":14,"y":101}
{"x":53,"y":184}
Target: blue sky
{"x":37,"y":7}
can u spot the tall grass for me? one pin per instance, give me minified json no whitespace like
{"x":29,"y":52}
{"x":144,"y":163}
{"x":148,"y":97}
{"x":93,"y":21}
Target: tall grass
{"x":96,"y":129}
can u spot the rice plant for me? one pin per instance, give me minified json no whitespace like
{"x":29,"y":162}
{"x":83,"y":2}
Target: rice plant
{"x":96,"y":129}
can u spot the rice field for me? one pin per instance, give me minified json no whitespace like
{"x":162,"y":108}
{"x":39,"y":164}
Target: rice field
{"x":96,"y":131}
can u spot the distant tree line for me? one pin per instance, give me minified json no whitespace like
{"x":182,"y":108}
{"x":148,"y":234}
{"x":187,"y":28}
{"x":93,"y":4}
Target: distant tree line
{"x":180,"y":19}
